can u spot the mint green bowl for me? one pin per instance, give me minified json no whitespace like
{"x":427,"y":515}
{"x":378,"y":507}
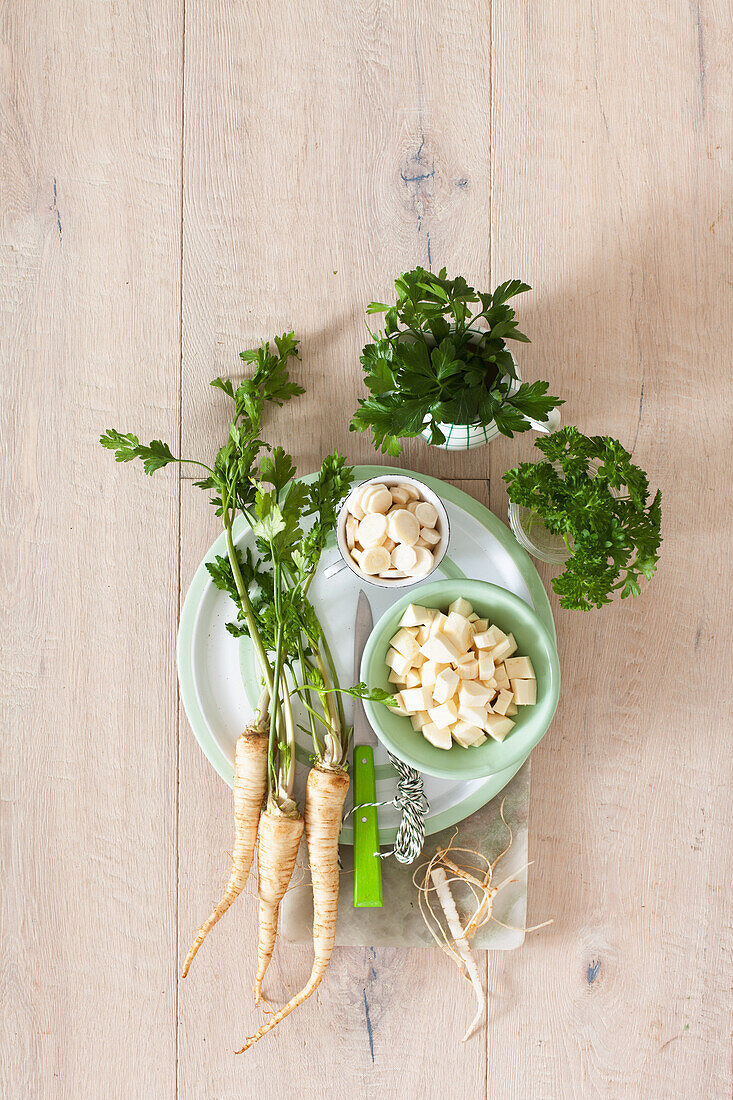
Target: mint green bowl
{"x":512,"y":615}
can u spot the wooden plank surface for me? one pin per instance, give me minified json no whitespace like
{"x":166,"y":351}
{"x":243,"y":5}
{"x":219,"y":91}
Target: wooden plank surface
{"x":312,"y":177}
{"x":301,"y":157}
{"x":612,"y":204}
{"x":89,"y":295}
{"x":362,"y":1016}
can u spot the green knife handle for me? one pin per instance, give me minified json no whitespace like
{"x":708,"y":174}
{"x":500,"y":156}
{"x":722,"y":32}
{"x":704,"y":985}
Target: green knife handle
{"x":367,"y":864}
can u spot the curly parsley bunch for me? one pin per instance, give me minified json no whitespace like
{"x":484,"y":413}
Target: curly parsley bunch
{"x":588,"y":491}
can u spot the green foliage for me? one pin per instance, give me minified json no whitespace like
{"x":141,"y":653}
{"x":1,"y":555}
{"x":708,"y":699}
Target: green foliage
{"x":374,"y":695}
{"x":443,"y":358}
{"x":127,"y":447}
{"x":588,"y":491}
{"x":270,"y":588}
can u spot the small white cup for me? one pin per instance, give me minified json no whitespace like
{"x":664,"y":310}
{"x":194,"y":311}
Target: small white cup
{"x":438,"y":551}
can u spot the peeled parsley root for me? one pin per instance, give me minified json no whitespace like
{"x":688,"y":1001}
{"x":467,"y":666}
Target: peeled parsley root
{"x":250,"y":785}
{"x":324,"y":803}
{"x":278,"y":848}
{"x":449,"y":934}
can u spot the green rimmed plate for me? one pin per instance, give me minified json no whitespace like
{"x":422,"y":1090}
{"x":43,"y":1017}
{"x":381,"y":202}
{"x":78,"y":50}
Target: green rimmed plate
{"x":218,"y":675}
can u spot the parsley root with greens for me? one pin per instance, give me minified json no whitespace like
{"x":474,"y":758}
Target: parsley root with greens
{"x":588,"y":491}
{"x":440,"y":361}
{"x":290,"y":521}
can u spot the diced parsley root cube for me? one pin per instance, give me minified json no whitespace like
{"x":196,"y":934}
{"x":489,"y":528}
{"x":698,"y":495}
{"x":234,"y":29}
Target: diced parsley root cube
{"x":412,"y":679}
{"x":458,"y":629}
{"x":415,"y":699}
{"x":445,"y":685}
{"x":485,"y":665}
{"x":512,"y":639}
{"x":440,"y":648}
{"x":405,"y":643}
{"x":437,"y":623}
{"x":501,"y":677}
{"x":472,"y":618}
{"x":416,"y":615}
{"x":400,"y":707}
{"x":500,"y":651}
{"x":501,"y":704}
{"x":525,"y":692}
{"x":466,"y":658}
{"x":473,"y":694}
{"x":423,"y":633}
{"x":440,"y":738}
{"x":475,"y":716}
{"x":467,"y":670}
{"x":494,"y":636}
{"x":466,"y":734}
{"x":420,"y":719}
{"x":480,"y":625}
{"x":519,"y":668}
{"x":400,"y":664}
{"x":461,"y":607}
{"x":511,"y":710}
{"x":418,"y":660}
{"x":430,"y":671}
{"x":443,"y":716}
{"x":497,"y":726}
{"x":394,"y":678}
{"x":485,"y":640}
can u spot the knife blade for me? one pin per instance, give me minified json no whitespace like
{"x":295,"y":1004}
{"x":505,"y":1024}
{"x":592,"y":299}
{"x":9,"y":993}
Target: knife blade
{"x":367,"y":863}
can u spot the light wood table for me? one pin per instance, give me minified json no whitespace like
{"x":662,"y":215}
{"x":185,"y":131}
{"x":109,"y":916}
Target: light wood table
{"x":180,"y":180}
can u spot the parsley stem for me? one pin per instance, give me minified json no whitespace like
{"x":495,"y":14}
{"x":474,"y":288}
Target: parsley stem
{"x":249,"y":615}
{"x":272,"y":778}
{"x":289,"y":736}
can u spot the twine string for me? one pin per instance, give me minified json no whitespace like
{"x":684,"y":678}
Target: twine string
{"x":410,"y":799}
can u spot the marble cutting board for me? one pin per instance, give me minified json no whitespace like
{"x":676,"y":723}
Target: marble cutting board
{"x":399,"y":922}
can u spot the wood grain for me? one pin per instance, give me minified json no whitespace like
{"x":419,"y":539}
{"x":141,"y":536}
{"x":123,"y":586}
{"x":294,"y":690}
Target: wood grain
{"x":614,"y":206}
{"x":89,"y":294}
{"x":299,"y":157}
{"x":313,"y":179}
{"x":362,"y":1017}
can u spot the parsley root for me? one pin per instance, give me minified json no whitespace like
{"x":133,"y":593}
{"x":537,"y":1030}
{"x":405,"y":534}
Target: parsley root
{"x":250,"y":784}
{"x":289,"y":521}
{"x":278,"y":847}
{"x":324,"y":803}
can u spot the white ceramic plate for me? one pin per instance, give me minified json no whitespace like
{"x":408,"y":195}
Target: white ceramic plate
{"x":218,"y":674}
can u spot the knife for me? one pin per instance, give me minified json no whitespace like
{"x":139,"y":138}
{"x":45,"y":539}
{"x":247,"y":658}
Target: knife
{"x":367,"y":863}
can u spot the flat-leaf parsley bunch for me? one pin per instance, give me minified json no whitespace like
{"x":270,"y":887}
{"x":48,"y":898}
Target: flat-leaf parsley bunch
{"x":588,"y":491}
{"x":443,"y":359}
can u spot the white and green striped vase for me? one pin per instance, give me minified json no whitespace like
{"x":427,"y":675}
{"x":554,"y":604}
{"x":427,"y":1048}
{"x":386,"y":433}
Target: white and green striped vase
{"x":464,"y":437}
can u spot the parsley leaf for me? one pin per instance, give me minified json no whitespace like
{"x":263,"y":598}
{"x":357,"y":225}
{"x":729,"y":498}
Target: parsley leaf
{"x":588,"y":492}
{"x":127,"y":447}
{"x":442,"y":358}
